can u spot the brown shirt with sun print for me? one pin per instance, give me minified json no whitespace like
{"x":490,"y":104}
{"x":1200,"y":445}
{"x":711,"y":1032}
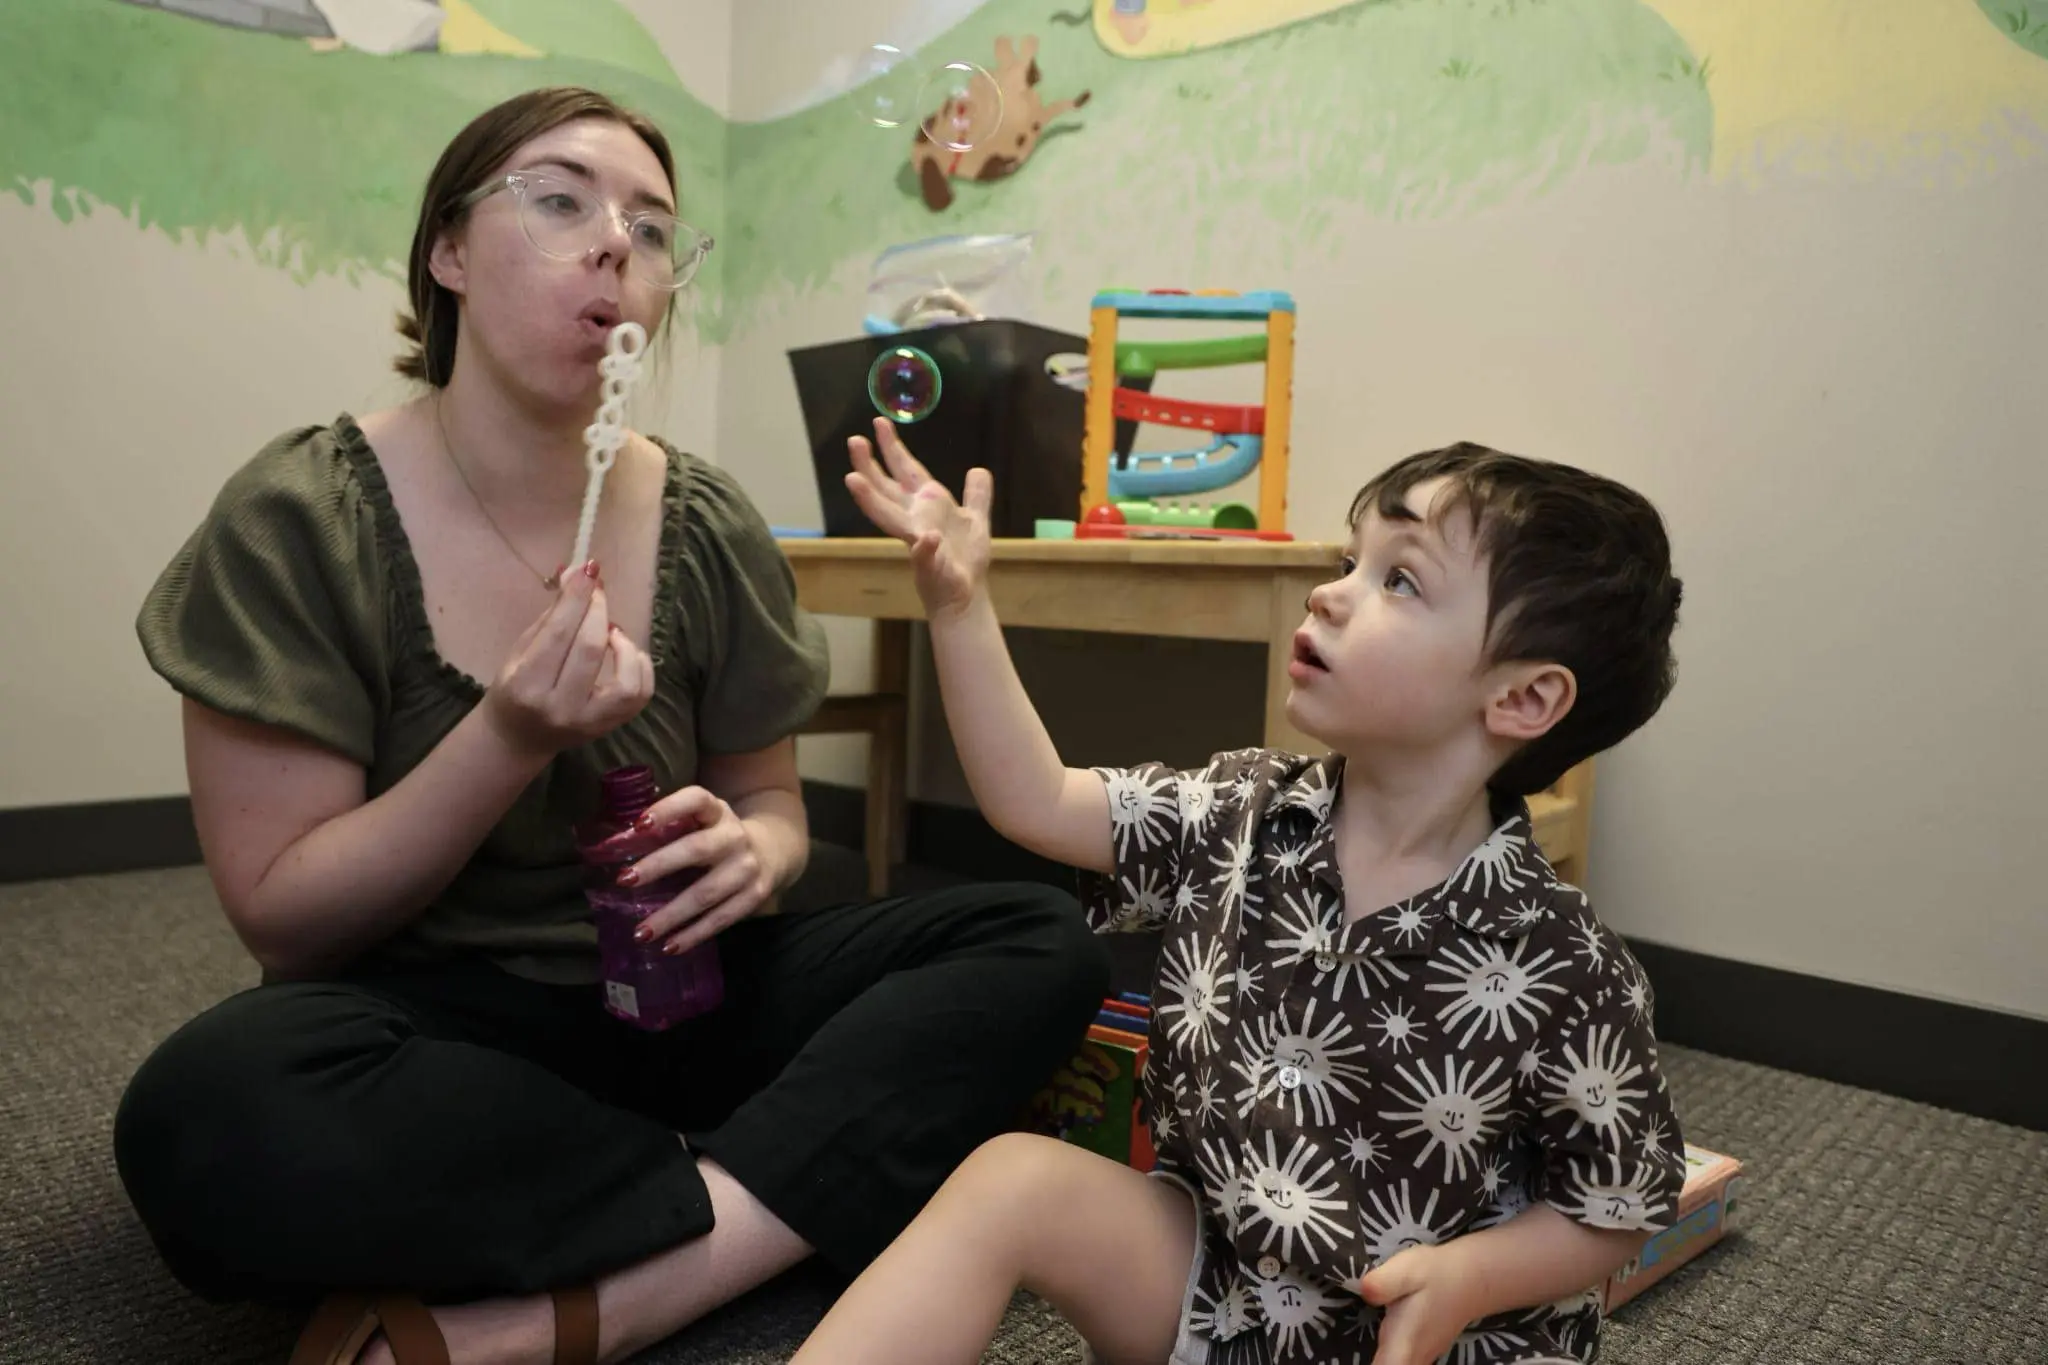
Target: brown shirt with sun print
{"x":1335,"y":1092}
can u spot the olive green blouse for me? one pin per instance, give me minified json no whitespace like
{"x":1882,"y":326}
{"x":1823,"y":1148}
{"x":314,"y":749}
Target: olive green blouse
{"x":297,"y":603}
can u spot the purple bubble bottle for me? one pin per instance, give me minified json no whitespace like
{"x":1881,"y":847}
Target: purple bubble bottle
{"x":644,"y":986}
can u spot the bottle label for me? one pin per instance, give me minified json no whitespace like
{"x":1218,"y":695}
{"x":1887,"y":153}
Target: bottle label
{"x":623,"y":998}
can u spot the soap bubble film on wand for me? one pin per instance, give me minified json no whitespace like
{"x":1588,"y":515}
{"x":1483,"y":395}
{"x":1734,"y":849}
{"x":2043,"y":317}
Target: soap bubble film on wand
{"x":604,"y":437}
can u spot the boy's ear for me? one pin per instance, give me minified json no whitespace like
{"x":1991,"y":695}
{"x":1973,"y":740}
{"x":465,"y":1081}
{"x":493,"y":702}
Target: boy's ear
{"x":1528,"y":699}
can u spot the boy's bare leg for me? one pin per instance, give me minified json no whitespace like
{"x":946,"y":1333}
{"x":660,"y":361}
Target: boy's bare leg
{"x":1108,"y":1247}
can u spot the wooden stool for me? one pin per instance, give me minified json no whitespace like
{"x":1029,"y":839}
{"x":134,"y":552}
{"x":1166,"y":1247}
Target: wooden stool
{"x":883,"y":716}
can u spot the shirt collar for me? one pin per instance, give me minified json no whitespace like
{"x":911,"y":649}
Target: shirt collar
{"x":1502,"y":889}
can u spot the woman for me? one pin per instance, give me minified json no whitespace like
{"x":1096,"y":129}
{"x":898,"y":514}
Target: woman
{"x":425,"y":1101}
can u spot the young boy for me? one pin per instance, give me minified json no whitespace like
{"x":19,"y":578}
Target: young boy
{"x":1402,"y":1082}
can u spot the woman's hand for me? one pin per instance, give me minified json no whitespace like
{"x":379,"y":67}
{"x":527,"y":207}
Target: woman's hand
{"x":737,"y":879}
{"x":572,"y":676}
{"x":948,"y":540}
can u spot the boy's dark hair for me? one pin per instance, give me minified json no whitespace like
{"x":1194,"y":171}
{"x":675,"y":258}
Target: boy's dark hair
{"x":1579,"y":574}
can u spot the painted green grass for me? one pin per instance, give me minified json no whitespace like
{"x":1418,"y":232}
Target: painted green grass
{"x":2023,"y":21}
{"x":194,"y":129}
{"x":1400,"y":108}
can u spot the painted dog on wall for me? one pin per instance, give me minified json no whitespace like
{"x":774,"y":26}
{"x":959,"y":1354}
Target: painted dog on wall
{"x":1003,"y":151}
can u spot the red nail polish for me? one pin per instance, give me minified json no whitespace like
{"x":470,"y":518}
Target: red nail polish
{"x":642,"y":934}
{"x":671,"y":949}
{"x":630,"y":877}
{"x":646,"y":821}
{"x":590,"y":569}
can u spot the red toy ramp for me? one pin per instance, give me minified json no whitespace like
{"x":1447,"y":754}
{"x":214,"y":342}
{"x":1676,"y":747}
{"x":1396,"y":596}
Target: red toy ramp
{"x":1228,"y":419}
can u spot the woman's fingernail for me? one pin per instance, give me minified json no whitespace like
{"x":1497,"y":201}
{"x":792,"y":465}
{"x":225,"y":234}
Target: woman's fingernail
{"x":630,"y":877}
{"x":643,"y":933}
{"x":646,"y":821}
{"x":590,"y":569}
{"x":671,"y":948}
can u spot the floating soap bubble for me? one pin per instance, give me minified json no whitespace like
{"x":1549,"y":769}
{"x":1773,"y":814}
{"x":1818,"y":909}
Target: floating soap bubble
{"x":883,"y":88}
{"x":961,"y":106}
{"x":904,"y":384}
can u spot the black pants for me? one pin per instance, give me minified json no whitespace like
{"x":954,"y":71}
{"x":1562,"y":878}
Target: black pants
{"x":458,"y":1132}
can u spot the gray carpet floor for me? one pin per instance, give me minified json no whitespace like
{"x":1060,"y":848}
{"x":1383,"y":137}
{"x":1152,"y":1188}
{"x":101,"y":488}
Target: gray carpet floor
{"x":1874,"y":1230}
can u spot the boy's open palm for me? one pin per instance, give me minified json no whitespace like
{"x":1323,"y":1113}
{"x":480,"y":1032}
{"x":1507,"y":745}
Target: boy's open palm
{"x":948,"y":539}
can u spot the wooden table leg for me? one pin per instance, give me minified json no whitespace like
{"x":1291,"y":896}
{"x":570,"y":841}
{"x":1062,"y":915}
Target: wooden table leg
{"x":889,"y":757}
{"x":1290,"y":591}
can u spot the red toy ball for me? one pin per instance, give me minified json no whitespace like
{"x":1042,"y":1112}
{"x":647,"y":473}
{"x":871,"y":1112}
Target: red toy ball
{"x":1104,"y":514}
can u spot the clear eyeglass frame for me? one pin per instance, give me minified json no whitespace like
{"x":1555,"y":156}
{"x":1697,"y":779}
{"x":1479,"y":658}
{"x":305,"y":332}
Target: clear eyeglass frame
{"x":688,"y":246}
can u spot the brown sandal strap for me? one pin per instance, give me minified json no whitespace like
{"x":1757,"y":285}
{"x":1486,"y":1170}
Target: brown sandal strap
{"x":336,"y":1332}
{"x":575,"y":1326}
{"x":414,"y":1336}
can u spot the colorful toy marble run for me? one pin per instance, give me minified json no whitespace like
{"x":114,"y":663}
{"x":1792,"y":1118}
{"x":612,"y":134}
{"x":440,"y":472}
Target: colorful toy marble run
{"x":1243,"y":438}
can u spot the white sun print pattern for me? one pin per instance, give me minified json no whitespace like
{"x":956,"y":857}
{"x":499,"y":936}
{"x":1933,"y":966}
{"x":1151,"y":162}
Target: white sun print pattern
{"x":1458,"y":1115}
{"x":1496,"y":865}
{"x":1208,"y":1097}
{"x":1609,"y":1194}
{"x":1298,"y":1066}
{"x":1298,"y":1311}
{"x":1199,"y":803}
{"x":1591,"y":945}
{"x":1398,"y":1027}
{"x":1235,"y":864}
{"x":1294,"y":1198}
{"x":1636,"y":995}
{"x":1337,"y":1091}
{"x":1493,"y":988}
{"x":1593,"y":1086}
{"x":1482,"y":1348}
{"x":1392,"y":1224}
{"x":1365,"y":1151}
{"x":1224,"y":1315}
{"x":1143,"y":814}
{"x":1410,"y":923}
{"x":1147,"y":902}
{"x":1192,"y":995}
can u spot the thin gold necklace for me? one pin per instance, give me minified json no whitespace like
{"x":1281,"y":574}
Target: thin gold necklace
{"x":550,"y":581}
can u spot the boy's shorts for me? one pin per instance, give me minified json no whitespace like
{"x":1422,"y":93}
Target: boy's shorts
{"x":1194,"y":1347}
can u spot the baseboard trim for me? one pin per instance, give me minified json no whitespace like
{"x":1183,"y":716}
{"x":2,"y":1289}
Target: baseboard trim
{"x":1961,"y":1057}
{"x":1977,"y":1061}
{"x":37,"y":842}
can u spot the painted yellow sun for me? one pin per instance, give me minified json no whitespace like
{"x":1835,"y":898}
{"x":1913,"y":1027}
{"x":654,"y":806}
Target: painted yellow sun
{"x":1866,"y":86}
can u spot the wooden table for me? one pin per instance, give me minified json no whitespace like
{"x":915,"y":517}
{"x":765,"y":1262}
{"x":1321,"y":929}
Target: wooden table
{"x":1205,"y":590}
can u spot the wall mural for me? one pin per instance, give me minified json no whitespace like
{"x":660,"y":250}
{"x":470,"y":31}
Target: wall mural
{"x":300,"y":130}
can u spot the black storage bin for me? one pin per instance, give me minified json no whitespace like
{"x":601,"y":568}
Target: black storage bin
{"x":998,"y":408}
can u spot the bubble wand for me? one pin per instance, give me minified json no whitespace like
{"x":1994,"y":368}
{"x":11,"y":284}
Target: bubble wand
{"x":604,"y":436}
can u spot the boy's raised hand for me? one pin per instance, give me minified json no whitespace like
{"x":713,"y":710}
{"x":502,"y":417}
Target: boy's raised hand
{"x":948,"y":540}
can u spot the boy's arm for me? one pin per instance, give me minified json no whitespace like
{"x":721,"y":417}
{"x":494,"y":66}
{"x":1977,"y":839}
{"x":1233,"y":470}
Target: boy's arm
{"x":1432,"y":1293}
{"x":1016,"y":775}
{"x":1018,"y":780}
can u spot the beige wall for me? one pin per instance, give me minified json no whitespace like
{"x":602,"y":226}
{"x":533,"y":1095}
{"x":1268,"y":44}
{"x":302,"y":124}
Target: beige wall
{"x":1831,"y":388}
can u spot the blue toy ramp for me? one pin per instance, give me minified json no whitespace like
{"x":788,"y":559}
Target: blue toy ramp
{"x":1151,"y":475}
{"x":1259,"y":303}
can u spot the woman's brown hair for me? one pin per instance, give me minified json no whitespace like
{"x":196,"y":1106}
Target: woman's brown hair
{"x":468,"y":162}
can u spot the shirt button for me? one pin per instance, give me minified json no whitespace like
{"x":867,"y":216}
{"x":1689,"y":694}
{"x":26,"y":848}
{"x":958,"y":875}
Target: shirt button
{"x":1290,"y":1077}
{"x":1269,"y":1267}
{"x":1326,"y":962}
